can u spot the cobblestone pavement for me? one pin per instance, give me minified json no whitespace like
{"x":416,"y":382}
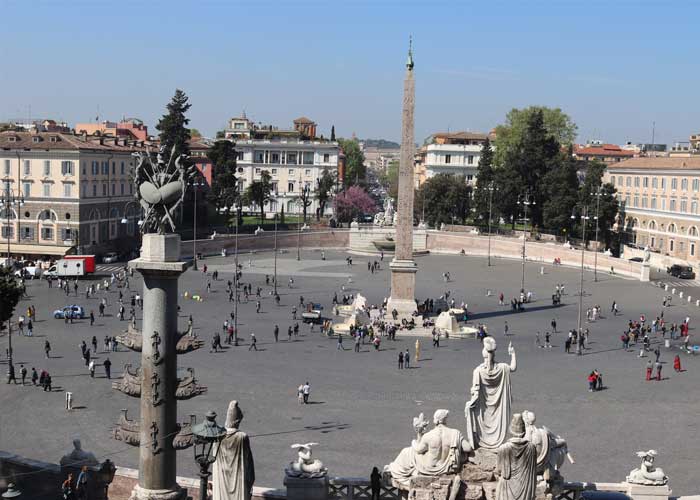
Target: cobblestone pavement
{"x":362,"y":405}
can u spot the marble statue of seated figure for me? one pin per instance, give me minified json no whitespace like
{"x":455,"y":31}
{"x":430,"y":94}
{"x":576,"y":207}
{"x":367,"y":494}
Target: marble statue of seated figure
{"x":305,"y":464}
{"x":435,"y":453}
{"x":647,"y":474}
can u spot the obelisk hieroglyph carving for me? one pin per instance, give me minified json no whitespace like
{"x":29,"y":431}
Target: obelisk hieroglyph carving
{"x":403,"y":268}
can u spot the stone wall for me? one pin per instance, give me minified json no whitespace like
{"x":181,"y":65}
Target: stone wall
{"x":336,"y":238}
{"x":361,"y":238}
{"x":36,"y":479}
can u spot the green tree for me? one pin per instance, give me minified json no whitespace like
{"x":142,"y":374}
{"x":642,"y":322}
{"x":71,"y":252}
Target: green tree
{"x":561,"y":192}
{"x":10,"y":291}
{"x":444,"y":198}
{"x":558,"y":125}
{"x":355,"y":170}
{"x":485,"y":177}
{"x":259,"y":192}
{"x":608,"y":206}
{"x":324,"y":189}
{"x":305,"y":199}
{"x":174,"y":134}
{"x":195,"y":134}
{"x":224,"y":189}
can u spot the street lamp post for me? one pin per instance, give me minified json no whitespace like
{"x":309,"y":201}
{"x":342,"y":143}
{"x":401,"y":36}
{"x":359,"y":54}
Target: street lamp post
{"x":196,"y":183}
{"x":597,"y":194}
{"x":491,"y":189}
{"x":526,"y":202}
{"x":207,"y":439}
{"x":584,"y":219}
{"x":275,"y":258}
{"x":235,"y":283}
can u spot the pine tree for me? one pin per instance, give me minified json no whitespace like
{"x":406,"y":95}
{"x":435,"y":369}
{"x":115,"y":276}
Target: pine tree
{"x":561,"y":195}
{"x":174,"y":134}
{"x":333,"y":133}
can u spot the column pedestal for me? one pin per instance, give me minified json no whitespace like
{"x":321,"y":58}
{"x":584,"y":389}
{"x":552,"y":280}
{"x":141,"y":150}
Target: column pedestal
{"x":403,"y":287}
{"x":299,"y":488}
{"x":645,"y":272}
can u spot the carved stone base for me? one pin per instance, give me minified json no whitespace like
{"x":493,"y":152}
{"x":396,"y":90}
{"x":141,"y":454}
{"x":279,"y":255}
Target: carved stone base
{"x":306,"y":488}
{"x":139,"y":493}
{"x":642,"y":492}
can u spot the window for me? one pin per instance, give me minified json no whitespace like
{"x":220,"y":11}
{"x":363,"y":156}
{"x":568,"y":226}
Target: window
{"x":663,"y":183}
{"x":612,"y":180}
{"x":653,"y":240}
{"x":131,"y":188}
{"x":47,"y":167}
{"x":290,"y":187}
{"x":67,"y":167}
{"x":674,"y":183}
{"x":257,"y":170}
{"x":692,"y":249}
{"x":274,"y":157}
{"x":114,"y":189}
{"x":7,"y":167}
{"x":67,"y":234}
{"x":95,"y":167}
{"x":326,"y":158}
{"x":307,"y":171}
{"x":684,"y":205}
{"x":628,"y":182}
{"x":644,"y":202}
{"x":654,"y":182}
{"x":274,"y":171}
{"x":670,"y":245}
{"x":94,"y":190}
{"x":291,"y":158}
{"x":104,"y":189}
{"x":239,"y":155}
{"x":636,"y":201}
{"x":46,"y":233}
{"x":105,"y":168}
{"x":27,"y":167}
{"x":84,"y":169}
{"x":274,"y":187}
{"x":27,"y":189}
{"x":448,"y":158}
{"x":258,"y":156}
{"x":645,"y":182}
{"x":684,"y":184}
{"x":470,"y":177}
{"x":308,"y":158}
{"x":8,"y":232}
{"x":67,"y":190}
{"x":47,"y":190}
{"x":672,"y":205}
{"x":122,"y":189}
{"x":290,"y":171}
{"x":627,"y":199}
{"x":27,"y":233}
{"x":696,"y":184}
{"x":122,"y":168}
{"x":619,"y":180}
{"x":470,"y":160}
{"x":653,"y":202}
{"x":636,"y":182}
{"x":693,"y":207}
{"x":114,"y":168}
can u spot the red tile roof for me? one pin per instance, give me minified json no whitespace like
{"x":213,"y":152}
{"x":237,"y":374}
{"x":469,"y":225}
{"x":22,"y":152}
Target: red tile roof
{"x":602,"y":150}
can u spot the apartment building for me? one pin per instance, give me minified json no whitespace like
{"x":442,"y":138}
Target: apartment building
{"x":71,"y":192}
{"x":660,"y":197}
{"x":455,"y":153}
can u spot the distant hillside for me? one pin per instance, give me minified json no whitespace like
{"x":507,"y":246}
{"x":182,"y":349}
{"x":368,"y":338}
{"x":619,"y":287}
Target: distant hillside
{"x":381,"y":144}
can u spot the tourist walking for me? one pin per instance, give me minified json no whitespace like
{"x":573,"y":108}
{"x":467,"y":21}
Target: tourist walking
{"x":253,"y":343}
{"x":306,"y":391}
{"x":650,"y":369}
{"x":22,"y":373}
{"x":407,"y":359}
{"x":47,"y":349}
{"x":108,"y":368}
{"x":677,"y":363}
{"x":339,"y":346}
{"x":276,"y":333}
{"x":400,"y":360}
{"x":658,"y":370}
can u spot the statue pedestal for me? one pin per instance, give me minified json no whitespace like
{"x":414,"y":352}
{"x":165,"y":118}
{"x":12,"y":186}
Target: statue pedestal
{"x":645,"y":272}
{"x":644,"y":492}
{"x":300,"y":488}
{"x":403,"y":287}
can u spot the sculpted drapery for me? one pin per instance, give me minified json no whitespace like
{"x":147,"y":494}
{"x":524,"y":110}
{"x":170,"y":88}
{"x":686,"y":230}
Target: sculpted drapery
{"x":516,"y":465}
{"x":234,"y":471}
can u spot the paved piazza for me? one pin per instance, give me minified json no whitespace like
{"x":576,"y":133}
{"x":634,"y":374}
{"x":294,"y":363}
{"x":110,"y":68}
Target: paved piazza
{"x":362,"y":404}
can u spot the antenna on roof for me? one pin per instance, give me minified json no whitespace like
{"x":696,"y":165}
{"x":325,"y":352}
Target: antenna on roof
{"x":653,"y":135}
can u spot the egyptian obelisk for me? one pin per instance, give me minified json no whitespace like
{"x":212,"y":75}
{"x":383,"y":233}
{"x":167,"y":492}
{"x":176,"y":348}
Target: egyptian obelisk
{"x":403,"y":268}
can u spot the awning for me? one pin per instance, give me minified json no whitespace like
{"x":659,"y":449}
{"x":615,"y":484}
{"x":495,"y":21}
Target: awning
{"x":34,"y":249}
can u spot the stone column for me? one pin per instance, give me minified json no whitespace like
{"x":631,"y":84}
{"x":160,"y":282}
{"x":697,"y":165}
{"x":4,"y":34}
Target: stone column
{"x":159,"y":264}
{"x":403,"y":268}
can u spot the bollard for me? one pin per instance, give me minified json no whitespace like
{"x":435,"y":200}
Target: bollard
{"x":697,"y":302}
{"x":673,"y":291}
{"x":666,"y":287}
{"x":680,"y":294}
{"x":690,"y":299}
{"x":69,"y":401}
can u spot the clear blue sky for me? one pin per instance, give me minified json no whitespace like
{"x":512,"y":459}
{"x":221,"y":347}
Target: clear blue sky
{"x":614,"y":66}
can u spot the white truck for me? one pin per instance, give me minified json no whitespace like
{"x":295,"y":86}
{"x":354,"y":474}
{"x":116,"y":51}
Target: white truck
{"x":66,"y":268}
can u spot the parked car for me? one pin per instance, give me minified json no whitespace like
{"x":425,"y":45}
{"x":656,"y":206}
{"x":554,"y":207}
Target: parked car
{"x":75,"y":312}
{"x":684,"y":272}
{"x":636,"y":259}
{"x":29,"y":272}
{"x":110,"y":258}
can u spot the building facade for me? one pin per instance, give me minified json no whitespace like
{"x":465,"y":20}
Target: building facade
{"x":295,"y":159}
{"x":455,"y":153}
{"x":606,"y":153}
{"x":131,"y":128}
{"x":72,"y":193}
{"x":660,"y":197}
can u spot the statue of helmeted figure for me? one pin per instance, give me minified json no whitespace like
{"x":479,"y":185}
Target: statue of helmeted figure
{"x":516,"y":465}
{"x":489,"y":409}
{"x":440,"y":451}
{"x":552,"y":450}
{"x":234,"y":471}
